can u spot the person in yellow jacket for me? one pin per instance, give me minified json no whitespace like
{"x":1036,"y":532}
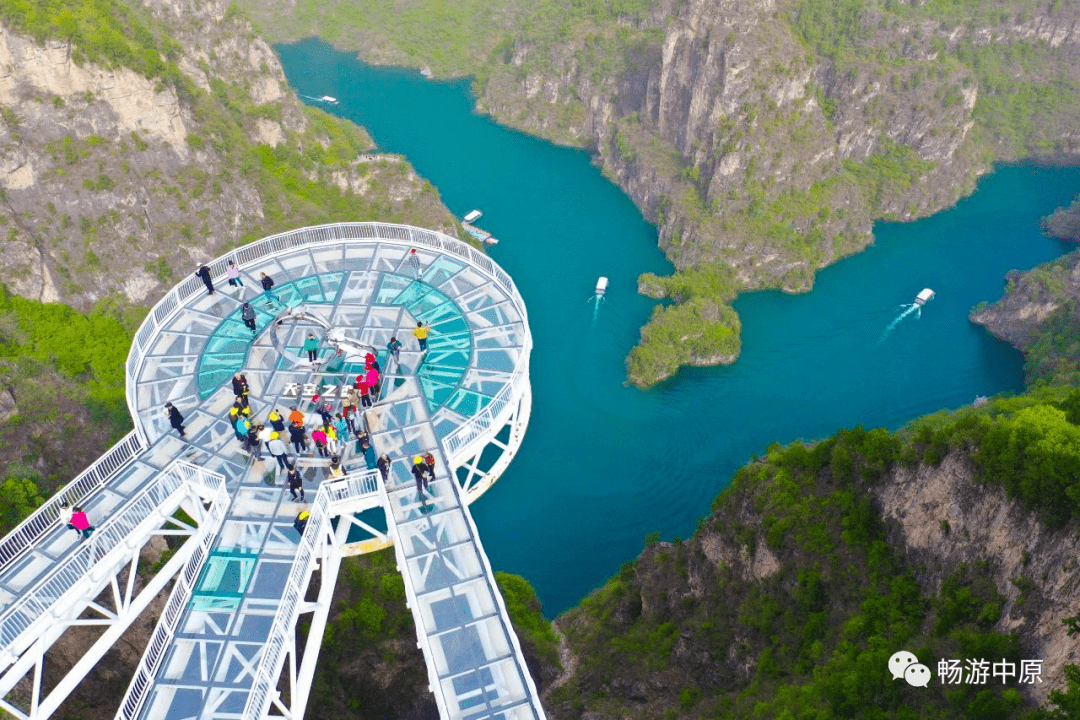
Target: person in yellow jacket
{"x":421,"y":333}
{"x":300,"y":523}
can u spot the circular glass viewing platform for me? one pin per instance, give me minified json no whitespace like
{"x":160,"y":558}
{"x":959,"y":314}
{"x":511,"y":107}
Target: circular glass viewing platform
{"x":365,"y":283}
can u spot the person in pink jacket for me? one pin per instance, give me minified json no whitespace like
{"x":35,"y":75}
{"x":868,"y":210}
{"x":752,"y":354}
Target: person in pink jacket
{"x":81,"y":523}
{"x":320,"y":441}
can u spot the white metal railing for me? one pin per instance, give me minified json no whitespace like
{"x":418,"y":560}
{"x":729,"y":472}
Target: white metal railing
{"x":354,"y":486}
{"x":494,"y":415}
{"x":20,"y":540}
{"x":423,"y":640}
{"x":71,"y":570}
{"x":138,"y":690}
{"x":274,"y":244}
{"x":411,"y":601}
{"x":283,"y":628}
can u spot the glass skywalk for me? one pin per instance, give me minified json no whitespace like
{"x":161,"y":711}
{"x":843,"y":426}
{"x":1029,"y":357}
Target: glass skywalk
{"x":368,"y":282}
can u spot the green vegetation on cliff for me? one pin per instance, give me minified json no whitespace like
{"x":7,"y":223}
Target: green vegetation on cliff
{"x":789,"y":600}
{"x":63,"y":372}
{"x":1064,"y":222}
{"x":1029,"y":444}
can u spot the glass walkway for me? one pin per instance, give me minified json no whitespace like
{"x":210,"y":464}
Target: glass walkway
{"x":366,"y":282}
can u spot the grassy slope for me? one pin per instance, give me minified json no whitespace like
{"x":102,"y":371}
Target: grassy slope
{"x":915,"y":59}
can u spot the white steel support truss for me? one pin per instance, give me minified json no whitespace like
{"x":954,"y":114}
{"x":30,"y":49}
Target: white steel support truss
{"x":477,"y":481}
{"x":108,"y":597}
{"x":301,"y":665}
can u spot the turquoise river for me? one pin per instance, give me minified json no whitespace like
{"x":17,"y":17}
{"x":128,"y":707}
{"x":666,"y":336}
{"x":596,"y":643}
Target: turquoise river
{"x":603,"y":464}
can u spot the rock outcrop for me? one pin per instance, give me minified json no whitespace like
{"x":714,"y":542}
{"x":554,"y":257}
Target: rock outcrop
{"x":940,"y":518}
{"x":119,"y":180}
{"x":1032,"y":300}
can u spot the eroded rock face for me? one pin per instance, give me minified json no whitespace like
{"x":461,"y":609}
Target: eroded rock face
{"x":129,"y":101}
{"x":114,"y":183}
{"x":940,"y":518}
{"x":716,"y":96}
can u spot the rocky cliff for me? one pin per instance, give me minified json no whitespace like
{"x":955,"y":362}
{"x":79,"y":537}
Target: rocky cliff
{"x":762,"y":137}
{"x":1041,"y":308}
{"x":815,"y":567}
{"x":119,"y":173}
{"x":941,"y":518}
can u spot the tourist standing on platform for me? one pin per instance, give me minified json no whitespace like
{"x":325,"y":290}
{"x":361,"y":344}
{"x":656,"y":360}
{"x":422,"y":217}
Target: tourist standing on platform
{"x":296,"y":417}
{"x":370,"y":361}
{"x":320,"y":440}
{"x":372,"y":379}
{"x":337,"y":471}
{"x":331,"y":438}
{"x":363,"y":440}
{"x":276,"y":421}
{"x":414,"y":260}
{"x":421,"y":332}
{"x":352,"y":399}
{"x":241,"y":427}
{"x":81,"y":523}
{"x":233,"y":274}
{"x":65,"y":518}
{"x":203,"y":273}
{"x":267,"y":282}
{"x":419,"y":471}
{"x":248,"y":315}
{"x":298,"y":437}
{"x":253,"y":443}
{"x":394,"y":348}
{"x":365,"y":391}
{"x":241,"y":407}
{"x":311,"y":347}
{"x":296,"y":484}
{"x":241,"y":389}
{"x":429,"y":462}
{"x":341,"y":427}
{"x":384,"y":467}
{"x":175,"y":418}
{"x":349,"y":413}
{"x":279,"y":451}
{"x":325,"y":411}
{"x":265,"y":436}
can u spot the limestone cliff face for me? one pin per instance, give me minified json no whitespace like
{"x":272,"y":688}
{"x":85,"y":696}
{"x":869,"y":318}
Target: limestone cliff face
{"x":940,"y":518}
{"x":714,"y":109}
{"x":112,"y":181}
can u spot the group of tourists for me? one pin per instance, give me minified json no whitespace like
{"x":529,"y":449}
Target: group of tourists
{"x":368,"y":383}
{"x":232,"y":272}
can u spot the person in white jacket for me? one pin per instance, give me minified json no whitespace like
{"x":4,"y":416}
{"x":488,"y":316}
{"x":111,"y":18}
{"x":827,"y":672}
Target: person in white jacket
{"x":279,"y":451}
{"x":65,"y":517}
